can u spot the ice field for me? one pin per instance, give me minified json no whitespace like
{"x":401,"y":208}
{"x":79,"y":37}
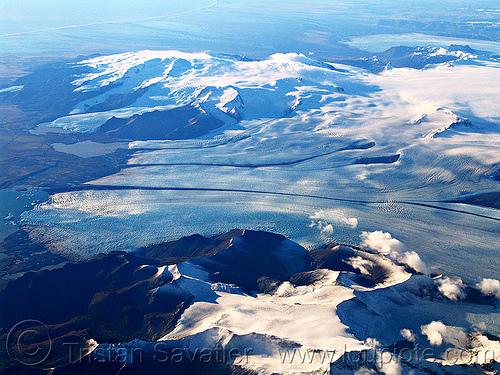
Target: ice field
{"x":300,"y":137}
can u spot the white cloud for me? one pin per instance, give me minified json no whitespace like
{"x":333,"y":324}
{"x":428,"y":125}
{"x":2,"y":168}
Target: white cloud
{"x":365,"y":371}
{"x":323,"y":221}
{"x":318,"y":215}
{"x":490,"y":287}
{"x":318,"y":220}
{"x":437,"y":333}
{"x":327,"y":229}
{"x":384,"y":243}
{"x":363,"y":265}
{"x":434,"y":332}
{"x":451,"y":288}
{"x":372,"y":342}
{"x":352,"y":221}
{"x":407,"y":334}
{"x":412,"y":259}
{"x":388,"y":364}
{"x":323,"y":226}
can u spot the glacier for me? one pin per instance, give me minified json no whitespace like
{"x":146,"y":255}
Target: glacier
{"x":299,"y":136}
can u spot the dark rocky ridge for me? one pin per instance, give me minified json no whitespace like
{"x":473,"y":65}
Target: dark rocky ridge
{"x":248,"y":257}
{"x":404,"y":57}
{"x":186,"y":248}
{"x":417,"y":57}
{"x":389,"y":159}
{"x":178,"y":123}
{"x":336,"y":257}
{"x":47,"y":93}
{"x":112,"y":290}
{"x":491,"y":200}
{"x":109,"y":298}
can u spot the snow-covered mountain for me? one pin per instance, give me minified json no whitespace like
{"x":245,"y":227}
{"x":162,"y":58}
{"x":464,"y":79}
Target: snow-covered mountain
{"x":255,"y":302}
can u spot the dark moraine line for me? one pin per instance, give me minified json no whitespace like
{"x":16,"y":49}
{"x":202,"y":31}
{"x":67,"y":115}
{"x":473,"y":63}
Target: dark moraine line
{"x":158,"y":188}
{"x":130,"y":166}
{"x":236,"y":165}
{"x":448,"y":209}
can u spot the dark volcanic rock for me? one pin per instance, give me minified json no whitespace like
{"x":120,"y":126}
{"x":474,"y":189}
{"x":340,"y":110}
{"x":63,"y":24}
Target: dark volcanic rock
{"x":250,"y":256}
{"x":484,"y":200}
{"x":251,"y":260}
{"x":268,"y":285}
{"x":389,"y":159}
{"x":332,"y":257}
{"x":305,"y":278}
{"x":460,"y":124}
{"x":416,"y":57}
{"x":112,"y":290}
{"x":178,"y":123}
{"x":48,"y":92}
{"x":338,"y":258}
{"x":178,"y":251}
